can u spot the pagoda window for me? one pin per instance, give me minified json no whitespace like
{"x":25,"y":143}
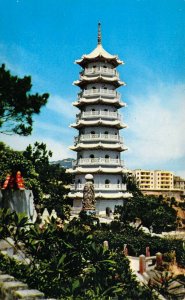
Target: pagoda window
{"x":79,"y":181}
{"x":106,"y":133}
{"x":105,"y":88}
{"x":80,"y":156}
{"x":91,"y":156}
{"x":92,"y":132}
{"x":105,"y":67}
{"x":117,"y":156}
{"x":107,"y":156}
{"x":107,"y":182}
{"x":94,"y":88}
{"x":105,"y":109}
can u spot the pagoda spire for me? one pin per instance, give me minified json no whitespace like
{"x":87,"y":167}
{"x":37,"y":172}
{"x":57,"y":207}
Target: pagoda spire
{"x":99,"y":34}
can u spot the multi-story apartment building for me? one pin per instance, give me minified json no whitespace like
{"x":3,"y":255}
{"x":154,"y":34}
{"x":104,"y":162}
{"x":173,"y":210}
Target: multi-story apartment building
{"x":160,"y":182}
{"x":179,"y":183}
{"x":157,"y":179}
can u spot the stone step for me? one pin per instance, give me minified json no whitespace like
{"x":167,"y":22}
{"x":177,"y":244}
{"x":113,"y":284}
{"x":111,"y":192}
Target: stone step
{"x":28,"y":295}
{"x":6,"y":277}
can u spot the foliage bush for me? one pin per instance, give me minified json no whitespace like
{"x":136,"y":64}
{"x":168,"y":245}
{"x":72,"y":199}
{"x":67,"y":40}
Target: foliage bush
{"x":118,"y":235}
{"x":66,"y":262}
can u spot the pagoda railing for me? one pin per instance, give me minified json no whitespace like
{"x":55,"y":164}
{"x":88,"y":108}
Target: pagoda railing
{"x":100,"y":186}
{"x":98,"y":137}
{"x":100,"y":70}
{"x":100,"y":92}
{"x":98,"y":160}
{"x":99,"y":113}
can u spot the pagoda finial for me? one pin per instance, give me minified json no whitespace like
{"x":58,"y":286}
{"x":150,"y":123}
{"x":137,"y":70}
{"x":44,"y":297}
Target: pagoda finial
{"x":99,"y":33}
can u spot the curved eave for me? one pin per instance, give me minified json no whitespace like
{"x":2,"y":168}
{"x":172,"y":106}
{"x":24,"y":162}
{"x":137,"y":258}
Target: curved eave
{"x":101,"y":195}
{"x":97,"y":146}
{"x":99,"y":54}
{"x":99,"y":170}
{"x":100,"y":122}
{"x":86,"y":60}
{"x":85,"y":80}
{"x":99,"y":100}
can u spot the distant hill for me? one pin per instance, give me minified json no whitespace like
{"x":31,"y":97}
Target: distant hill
{"x":65,"y":163}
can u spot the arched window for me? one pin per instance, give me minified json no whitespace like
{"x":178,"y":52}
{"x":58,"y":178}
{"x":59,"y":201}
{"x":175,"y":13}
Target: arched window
{"x":105,"y":109}
{"x":93,"y":132}
{"x":80,"y":156}
{"x":91,"y":156}
{"x":107,"y":183}
{"x":106,"y":133}
{"x":93,"y":87}
{"x":108,"y":211}
{"x":107,"y":158}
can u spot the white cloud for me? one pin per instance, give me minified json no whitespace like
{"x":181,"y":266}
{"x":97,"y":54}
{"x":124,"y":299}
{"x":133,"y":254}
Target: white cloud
{"x":50,"y":127}
{"x":156,"y":126}
{"x":62,"y":106}
{"x":60,"y":149}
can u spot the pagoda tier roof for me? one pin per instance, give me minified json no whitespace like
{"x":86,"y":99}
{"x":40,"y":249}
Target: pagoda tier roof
{"x":84,"y":80}
{"x":98,"y":170}
{"x":101,"y":195}
{"x":80,"y":146}
{"x":99,"y":54}
{"x":116,"y":123}
{"x":83,"y":101}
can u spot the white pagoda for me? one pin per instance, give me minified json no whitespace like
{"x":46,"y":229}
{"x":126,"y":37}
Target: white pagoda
{"x":98,"y":143}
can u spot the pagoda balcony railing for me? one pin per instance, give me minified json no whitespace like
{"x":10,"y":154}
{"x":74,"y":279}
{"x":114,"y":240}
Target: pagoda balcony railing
{"x":100,"y":187}
{"x":100,"y":70}
{"x":99,"y":113}
{"x":98,"y":137}
{"x":99,"y":92}
{"x":98,"y":161}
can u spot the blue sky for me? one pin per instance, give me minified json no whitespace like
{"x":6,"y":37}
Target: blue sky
{"x":42,"y":38}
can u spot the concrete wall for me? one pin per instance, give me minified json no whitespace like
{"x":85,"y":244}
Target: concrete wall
{"x":20,"y":201}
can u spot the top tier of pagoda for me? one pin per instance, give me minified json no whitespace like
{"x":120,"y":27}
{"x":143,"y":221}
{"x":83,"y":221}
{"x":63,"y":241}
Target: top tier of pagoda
{"x":99,"y":67}
{"x":99,"y":54}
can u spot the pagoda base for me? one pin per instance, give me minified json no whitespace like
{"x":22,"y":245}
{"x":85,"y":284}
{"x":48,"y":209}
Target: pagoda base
{"x":102,"y":206}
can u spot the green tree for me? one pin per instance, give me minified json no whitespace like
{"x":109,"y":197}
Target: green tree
{"x":17,"y":105}
{"x":154,"y":212}
{"x":66,"y":263}
{"x":11,"y":162}
{"x":53,"y":179}
{"x":47,"y":181}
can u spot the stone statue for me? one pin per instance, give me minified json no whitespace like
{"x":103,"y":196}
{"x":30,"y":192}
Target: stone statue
{"x":88,"y":201}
